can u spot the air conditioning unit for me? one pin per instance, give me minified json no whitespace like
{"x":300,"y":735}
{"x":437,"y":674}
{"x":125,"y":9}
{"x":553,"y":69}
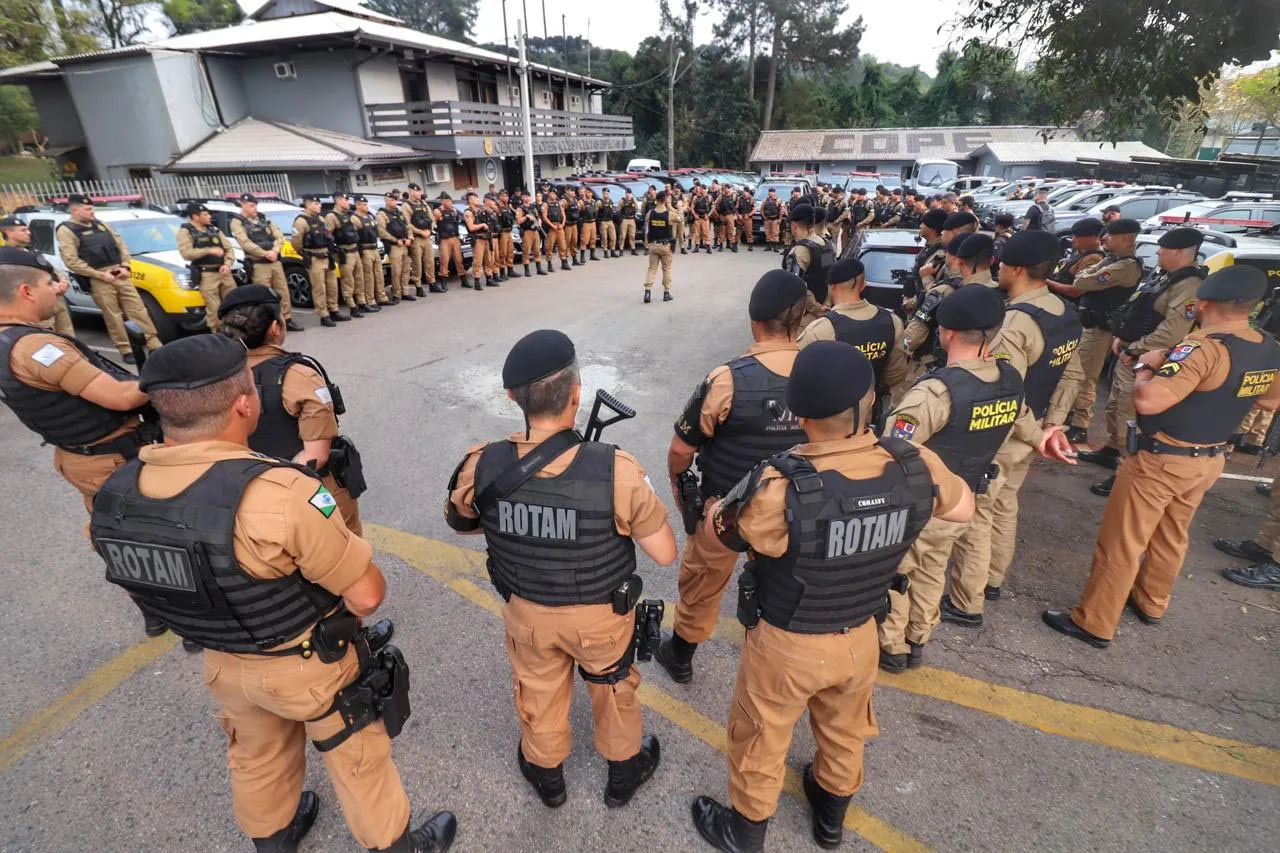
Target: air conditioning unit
{"x":545,"y":97}
{"x":513,"y":92}
{"x":575,"y":101}
{"x":439,"y":173}
{"x":286,"y":71}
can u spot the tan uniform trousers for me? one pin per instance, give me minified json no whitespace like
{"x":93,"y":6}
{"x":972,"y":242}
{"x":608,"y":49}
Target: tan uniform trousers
{"x":263,"y":703}
{"x":1269,"y":536}
{"x":1255,"y":425}
{"x":531,"y":246}
{"x":1149,"y":512}
{"x":772,"y":227}
{"x":571,"y":238}
{"x":1095,"y":346}
{"x":86,"y":473}
{"x":556,"y":242}
{"x":984,"y":552}
{"x":119,"y":301}
{"x":1120,"y":406}
{"x":588,"y":235}
{"x":272,"y":275}
{"x":399,"y":258}
{"x":701,"y":232}
{"x":506,"y":249}
{"x":744,"y":230}
{"x":422,"y":256}
{"x":451,"y":253}
{"x":677,"y":228}
{"x":324,"y":285}
{"x":705,"y":569}
{"x":374,"y":283}
{"x":627,"y":236}
{"x":727,"y":230}
{"x":62,"y":319}
{"x":543,"y":644}
{"x":479,"y":257}
{"x":351,"y":276}
{"x":492,"y":260}
{"x":913,"y":616}
{"x":659,"y":253}
{"x":214,"y":286}
{"x":781,"y":674}
{"x":608,"y":235}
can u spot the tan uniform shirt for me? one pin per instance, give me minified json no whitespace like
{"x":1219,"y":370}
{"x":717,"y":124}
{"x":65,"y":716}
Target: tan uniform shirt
{"x":331,"y":222}
{"x":300,"y":228}
{"x":895,"y":369}
{"x":305,"y":396}
{"x":409,"y":209}
{"x":917,"y":331}
{"x":777,"y":356}
{"x":1019,"y":338}
{"x":763,"y":521}
{"x":1118,"y":270}
{"x":186,"y":248}
{"x":637,"y":512}
{"x":934,"y":261}
{"x":69,"y":250}
{"x":1177,"y":306}
{"x":980,"y":277}
{"x":926,"y":407}
{"x":252,"y":249}
{"x":384,"y":219}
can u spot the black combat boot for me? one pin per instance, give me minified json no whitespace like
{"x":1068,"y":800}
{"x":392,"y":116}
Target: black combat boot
{"x":727,"y":830}
{"x":733,"y":247}
{"x":357,"y":311}
{"x":1107,"y":457}
{"x":666,"y":296}
{"x":435,"y":835}
{"x":286,"y":840}
{"x":547,"y":781}
{"x":338,"y":316}
{"x":828,"y":812}
{"x":293,"y":326}
{"x":626,"y":776}
{"x":378,"y":634}
{"x":495,"y":280}
{"x":749,"y":249}
{"x":513,"y":273}
{"x":551,"y":266}
{"x":675,"y":655}
{"x":420,"y":290}
{"x":437,"y":287}
{"x":648,"y":296}
{"x":682,"y":249}
{"x":593,"y":254}
{"x":633,"y":251}
{"x":326,"y":320}
{"x":617,"y":253}
{"x":372,"y":308}
{"x":541,"y":271}
{"x":526,"y":270}
{"x":564,"y":263}
{"x":407,"y":296}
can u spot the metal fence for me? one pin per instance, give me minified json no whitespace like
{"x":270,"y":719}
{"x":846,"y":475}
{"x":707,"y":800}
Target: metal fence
{"x":164,"y":190}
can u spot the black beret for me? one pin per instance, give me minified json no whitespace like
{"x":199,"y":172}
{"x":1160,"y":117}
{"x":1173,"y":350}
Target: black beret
{"x":307,"y":199}
{"x":247,"y":294}
{"x":1124,"y":226}
{"x":1111,"y":208}
{"x":967,"y":200}
{"x":661,"y":196}
{"x":443,"y":195}
{"x":337,"y":194}
{"x":11,"y":222}
{"x":1028,"y":248}
{"x":819,"y":215}
{"x":803,"y":213}
{"x":827,"y":378}
{"x":834,"y":190}
{"x":12,"y":256}
{"x":193,"y":209}
{"x":248,"y":197}
{"x":973,"y":306}
{"x":934,"y":219}
{"x":958,"y":220}
{"x":896,"y":191}
{"x":536,"y":356}
{"x":193,"y":362}
{"x":1236,"y":283}
{"x":78,"y":198}
{"x":953,"y":248}
{"x":861,"y":191}
{"x":414,"y":187}
{"x":1005,"y":219}
{"x":775,"y":292}
{"x":880,"y":188}
{"x":1088,"y":227}
{"x":845,"y":270}
{"x":391,"y":194}
{"x":1181,"y":238}
{"x":360,"y":200}
{"x":974,"y":245}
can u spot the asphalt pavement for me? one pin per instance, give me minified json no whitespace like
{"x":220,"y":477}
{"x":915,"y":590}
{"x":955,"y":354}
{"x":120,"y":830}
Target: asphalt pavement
{"x":1012,"y":737}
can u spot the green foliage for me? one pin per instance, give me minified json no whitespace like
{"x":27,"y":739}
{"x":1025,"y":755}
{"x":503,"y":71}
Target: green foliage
{"x":114,"y":23}
{"x":21,"y":170}
{"x":452,"y":19}
{"x":17,"y":114}
{"x":194,"y":16}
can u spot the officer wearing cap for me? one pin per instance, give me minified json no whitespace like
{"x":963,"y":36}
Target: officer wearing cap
{"x":964,"y":412}
{"x":920,"y":340}
{"x":771,"y":214}
{"x":875,"y":332}
{"x":929,"y":261}
{"x":507,"y":243}
{"x":658,"y":238}
{"x":553,"y":221}
{"x":99,"y":260}
{"x":726,"y":214}
{"x":743,"y":215}
{"x":218,"y":516}
{"x":890,"y":215}
{"x":345,"y":228}
{"x":210,"y":255}
{"x":312,"y":240}
{"x":809,"y":256}
{"x":1188,"y":399}
{"x":448,"y":224}
{"x":262,"y":243}
{"x":393,"y":231}
{"x":702,"y":210}
{"x":826,"y":525}
{"x":375,"y":289}
{"x":1086,"y":250}
{"x":561,"y":527}
{"x":735,"y":418}
{"x":1158,"y":314}
{"x":864,"y":210}
{"x":1039,"y":336}
{"x":422,"y":255}
{"x":14,"y":232}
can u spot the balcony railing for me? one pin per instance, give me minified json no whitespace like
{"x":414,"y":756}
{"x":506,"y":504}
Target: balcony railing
{"x":417,"y":119}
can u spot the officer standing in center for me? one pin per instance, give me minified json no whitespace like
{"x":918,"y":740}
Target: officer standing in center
{"x":370,"y":260}
{"x":826,"y":525}
{"x":658,"y":238}
{"x":210,"y":254}
{"x":342,"y":224}
{"x":262,"y":243}
{"x":570,"y":588}
{"x":735,"y":418}
{"x":393,"y":230}
{"x":422,"y":255}
{"x":311,"y":239}
{"x":448,"y":223}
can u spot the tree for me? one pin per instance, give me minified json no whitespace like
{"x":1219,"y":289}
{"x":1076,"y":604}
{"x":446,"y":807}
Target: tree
{"x":116,"y":22}
{"x":743,"y":21}
{"x":1118,"y":59}
{"x":452,"y":19}
{"x":807,"y":36}
{"x":194,"y":16}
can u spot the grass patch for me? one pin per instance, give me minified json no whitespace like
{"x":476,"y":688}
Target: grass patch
{"x":19,"y":170}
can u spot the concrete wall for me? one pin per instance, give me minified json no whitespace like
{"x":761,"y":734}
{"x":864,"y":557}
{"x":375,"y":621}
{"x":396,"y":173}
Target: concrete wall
{"x":380,"y":81}
{"x":187,"y":97}
{"x":442,"y":81}
{"x":224,"y":74}
{"x":122,"y":107}
{"x":323,"y":94}
{"x":58,"y":118}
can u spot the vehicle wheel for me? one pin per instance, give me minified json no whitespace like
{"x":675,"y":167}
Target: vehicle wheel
{"x":299,"y":286}
{"x":167,"y":328}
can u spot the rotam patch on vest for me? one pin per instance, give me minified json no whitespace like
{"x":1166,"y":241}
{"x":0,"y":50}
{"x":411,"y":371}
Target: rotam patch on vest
{"x":157,"y":566}
{"x":849,"y":536}
{"x":538,"y":522}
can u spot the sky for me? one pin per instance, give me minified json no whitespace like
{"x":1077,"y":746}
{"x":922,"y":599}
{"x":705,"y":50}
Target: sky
{"x":885,"y":37}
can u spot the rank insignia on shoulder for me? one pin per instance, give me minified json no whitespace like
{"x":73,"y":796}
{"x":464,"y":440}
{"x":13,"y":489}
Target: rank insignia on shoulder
{"x":1000,"y":355}
{"x":904,"y":427}
{"x":323,"y":501}
{"x":1181,"y":351}
{"x":1170,"y":368}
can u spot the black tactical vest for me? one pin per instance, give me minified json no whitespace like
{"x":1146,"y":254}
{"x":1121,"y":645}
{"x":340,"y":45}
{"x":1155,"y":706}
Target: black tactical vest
{"x":555,"y":213}
{"x":317,"y":237}
{"x":553,"y":540}
{"x":571,"y":213}
{"x":201,"y":239}
{"x":57,"y":417}
{"x":176,"y":558}
{"x":368,"y":231}
{"x":725,"y":206}
{"x":702,"y":205}
{"x":874,"y":337}
{"x":606,"y":210}
{"x":506,"y":219}
{"x":628,"y":208}
{"x":982,"y":416}
{"x":821,"y":257}
{"x":397,"y":226}
{"x":659,"y":225}
{"x":98,"y":247}
{"x":590,"y":210}
{"x":858,"y":212}
{"x":746,"y":205}
{"x":420,"y":215}
{"x":846,"y":540}
{"x":258,"y":231}
{"x":1210,"y":417}
{"x":347,"y":233}
{"x":448,"y":225}
{"x":1096,"y":306}
{"x":1061,"y":338}
{"x":771,"y":209}
{"x":531,"y":221}
{"x":759,"y":425}
{"x":1138,"y":317}
{"x":277,"y":432}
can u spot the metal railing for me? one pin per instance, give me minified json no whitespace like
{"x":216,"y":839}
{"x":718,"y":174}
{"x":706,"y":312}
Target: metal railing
{"x":463,"y":118}
{"x":163,"y":190}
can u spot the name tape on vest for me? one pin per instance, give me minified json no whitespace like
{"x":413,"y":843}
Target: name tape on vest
{"x":159,"y":566}
{"x":1255,"y":383}
{"x":783,"y":420}
{"x":993,"y":413}
{"x":849,"y":536}
{"x":1063,"y":352}
{"x":538,"y":522}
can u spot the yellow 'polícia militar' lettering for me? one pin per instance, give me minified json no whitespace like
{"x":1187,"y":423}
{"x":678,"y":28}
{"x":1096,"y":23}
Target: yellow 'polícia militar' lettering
{"x":873,"y":350}
{"x":1255,"y":383}
{"x":993,"y":413}
{"x":1062,"y":353}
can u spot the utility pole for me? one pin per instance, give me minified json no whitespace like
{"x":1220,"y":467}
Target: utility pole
{"x":521,"y":37}
{"x":671,"y":104}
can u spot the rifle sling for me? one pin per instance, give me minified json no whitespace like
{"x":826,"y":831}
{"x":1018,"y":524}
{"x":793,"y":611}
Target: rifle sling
{"x":524,"y":468}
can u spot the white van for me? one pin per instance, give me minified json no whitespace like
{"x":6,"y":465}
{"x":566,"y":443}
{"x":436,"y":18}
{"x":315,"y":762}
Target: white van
{"x":641,"y":165}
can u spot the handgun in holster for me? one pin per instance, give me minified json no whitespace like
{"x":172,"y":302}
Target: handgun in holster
{"x":748,"y":603}
{"x":346,"y":466}
{"x":900,"y":584}
{"x":691,"y":500}
{"x":1131,"y":437}
{"x":380,"y":692}
{"x":984,"y":483}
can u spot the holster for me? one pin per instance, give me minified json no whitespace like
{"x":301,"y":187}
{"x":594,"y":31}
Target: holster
{"x":748,"y":603}
{"x":900,"y":584}
{"x":987,"y":476}
{"x":1131,"y":437}
{"x":380,"y":691}
{"x":346,"y":466}
{"x":691,"y":501}
{"x":332,"y":636}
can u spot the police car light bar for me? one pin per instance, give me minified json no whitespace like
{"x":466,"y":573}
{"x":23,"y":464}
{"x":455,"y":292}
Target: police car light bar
{"x":1212,"y":220}
{"x":102,"y":199}
{"x":254,"y":193}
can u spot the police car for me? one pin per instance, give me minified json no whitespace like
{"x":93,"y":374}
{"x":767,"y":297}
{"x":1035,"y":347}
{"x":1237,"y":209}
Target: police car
{"x":882,"y":252}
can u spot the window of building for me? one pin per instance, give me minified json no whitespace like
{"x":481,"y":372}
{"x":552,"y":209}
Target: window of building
{"x":140,"y":174}
{"x":476,"y":87}
{"x":811,"y":167}
{"x":464,"y":174}
{"x":386,"y":174}
{"x":777,"y":168}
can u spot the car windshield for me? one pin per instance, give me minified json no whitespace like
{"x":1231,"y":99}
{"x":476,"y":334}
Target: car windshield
{"x":868,"y":184}
{"x":880,"y":263}
{"x":153,"y":234}
{"x":784,"y":191}
{"x":935,"y":174}
{"x":283,"y":219}
{"x":639,"y":188}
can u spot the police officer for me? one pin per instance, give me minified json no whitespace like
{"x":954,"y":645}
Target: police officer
{"x":726,"y":210}
{"x":210,"y":255}
{"x":921,"y":337}
{"x":1086,"y":251}
{"x":810,"y":257}
{"x":572,"y":214}
{"x":608,"y":229}
{"x":826,"y":525}
{"x":875,"y":332}
{"x":448,"y":223}
{"x":553,"y":221}
{"x":506,"y":243}
{"x":771,"y":213}
{"x":311,"y":239}
{"x":94,"y":253}
{"x":1188,"y":399}
{"x":734,"y":419}
{"x":658,"y":240}
{"x":870,"y":209}
{"x":1039,"y":336}
{"x":837,"y":217}
{"x":1039,"y":215}
{"x":14,"y":232}
{"x":1101,"y":288}
{"x":1001,"y":236}
{"x":393,"y":231}
{"x":590,"y":213}
{"x":561,"y":527}
{"x":1158,"y":315}
{"x":676,"y":203}
{"x":529,"y":218}
{"x":493,"y":268}
{"x":204,"y":512}
{"x":342,"y":224}
{"x":746,"y":207}
{"x":422,"y":255}
{"x":262,"y":243}
{"x":627,"y":233}
{"x":928,"y":260}
{"x":702,"y":204}
{"x":370,"y":259}
{"x":477,"y":225}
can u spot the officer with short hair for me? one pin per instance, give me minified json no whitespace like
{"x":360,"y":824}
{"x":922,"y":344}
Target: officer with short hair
{"x":726,"y":212}
{"x":448,"y":223}
{"x":771,"y":213}
{"x":94,"y":253}
{"x":627,"y":233}
{"x":810,"y":257}
{"x":529,"y":218}
{"x":735,"y":418}
{"x":507,"y":243}
{"x":311,"y":239}
{"x":217,"y":516}
{"x":561,"y":518}
{"x":14,"y":232}
{"x":658,"y":240}
{"x":572,"y":214}
{"x":342,"y":224}
{"x":587,"y":230}
{"x":746,"y":207}
{"x":608,"y":228}
{"x":1189,"y":400}
{"x":961,"y":260}
{"x":262,"y":243}
{"x":1002,"y":235}
{"x":929,"y":261}
{"x":553,"y":221}
{"x":702,"y":208}
{"x":393,"y":231}
{"x":493,"y":268}
{"x":422,"y":255}
{"x":1039,"y":216}
{"x":210,"y":255}
{"x":826,"y":525}
{"x":370,"y":259}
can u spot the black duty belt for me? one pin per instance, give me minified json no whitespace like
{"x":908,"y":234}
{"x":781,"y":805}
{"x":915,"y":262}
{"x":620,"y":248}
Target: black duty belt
{"x":126,"y":445}
{"x":662,"y":242}
{"x":1151,"y":445}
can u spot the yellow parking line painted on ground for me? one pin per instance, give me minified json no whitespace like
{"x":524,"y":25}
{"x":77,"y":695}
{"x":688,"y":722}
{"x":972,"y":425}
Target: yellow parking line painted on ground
{"x":442,"y":562}
{"x":1195,"y":749}
{"x":47,"y":722}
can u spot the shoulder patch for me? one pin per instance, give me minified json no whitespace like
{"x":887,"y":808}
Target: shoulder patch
{"x":1189,"y":309}
{"x":1182,"y":350}
{"x":324,"y":396}
{"x":47,"y":355}
{"x":323,"y":501}
{"x":1170,"y":368}
{"x":904,"y":427}
{"x":1104,"y":277}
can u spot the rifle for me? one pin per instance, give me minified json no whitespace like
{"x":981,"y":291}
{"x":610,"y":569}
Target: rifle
{"x":1270,"y":442}
{"x":595,"y":425}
